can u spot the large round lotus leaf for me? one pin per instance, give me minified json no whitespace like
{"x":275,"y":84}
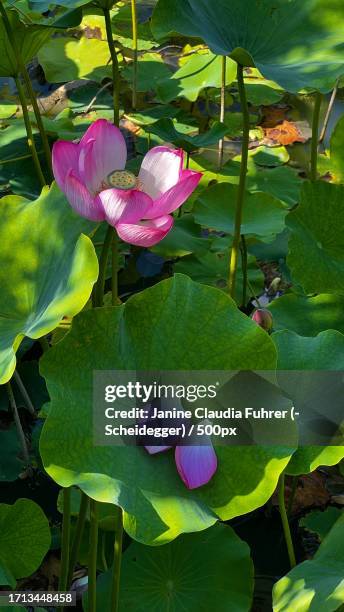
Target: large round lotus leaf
{"x":28,"y":39}
{"x":316,"y":585}
{"x":316,"y":245}
{"x":65,"y":59}
{"x":166,"y":131}
{"x":175,"y":325}
{"x":24,"y":539}
{"x":308,"y":316}
{"x":49,"y":276}
{"x":204,"y":571}
{"x":324,"y":352}
{"x":262,"y":214}
{"x":283,"y":39}
{"x":198,"y":71}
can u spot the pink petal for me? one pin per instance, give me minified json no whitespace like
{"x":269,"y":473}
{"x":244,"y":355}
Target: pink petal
{"x":65,"y":158}
{"x":105,"y":151}
{"x":124,"y":206}
{"x":81,"y":200}
{"x":196,"y":464}
{"x":176,"y":195}
{"x":153,"y":450}
{"x":160,"y":170}
{"x":146,"y":233}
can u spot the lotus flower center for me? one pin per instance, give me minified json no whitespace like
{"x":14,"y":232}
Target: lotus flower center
{"x":122,"y":179}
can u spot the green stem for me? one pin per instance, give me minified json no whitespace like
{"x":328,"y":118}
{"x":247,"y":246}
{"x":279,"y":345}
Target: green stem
{"x":242,"y":182}
{"x":285,"y":522}
{"x":18,"y":424}
{"x":328,"y":112}
{"x":244,"y":269}
{"x":115,"y":68}
{"x":30,"y":139}
{"x":135,"y":50}
{"x":315,"y":136}
{"x":103,"y":551}
{"x":100,"y":284}
{"x":222,"y":108}
{"x":39,"y":121}
{"x":23,"y":70}
{"x":115,"y":267}
{"x":65,"y":542}
{"x":77,"y":537}
{"x":117,"y":561}
{"x":24,"y":393}
{"x":92,"y":558}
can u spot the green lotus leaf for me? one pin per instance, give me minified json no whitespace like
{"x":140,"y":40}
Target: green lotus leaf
{"x":165,"y":129}
{"x":308,"y":316}
{"x":197,"y":72}
{"x":282,"y":182}
{"x":29,"y":40}
{"x":317,"y":584}
{"x":10,"y":464}
{"x":151,"y":69}
{"x":284,"y":40}
{"x":321,"y":521}
{"x":177,"y":324}
{"x":324,"y":352}
{"x":263,"y":215}
{"x":202,"y":571}
{"x":24,"y":539}
{"x":213,"y":269}
{"x":47,"y":269}
{"x":183,"y":239}
{"x":65,"y":59}
{"x":30,"y":13}
{"x":336,"y":161}
{"x":316,"y":245}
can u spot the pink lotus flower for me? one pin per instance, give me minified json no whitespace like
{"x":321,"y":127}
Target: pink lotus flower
{"x":93,"y":177}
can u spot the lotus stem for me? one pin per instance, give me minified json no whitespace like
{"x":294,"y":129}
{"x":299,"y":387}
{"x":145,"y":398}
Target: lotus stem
{"x":98,"y":295}
{"x":315,"y":136}
{"x":24,"y":393}
{"x":77,"y":537}
{"x":92,"y":557}
{"x":18,"y":424}
{"x":243,"y":248}
{"x":222,"y":107}
{"x":135,"y":51}
{"x":115,"y":268}
{"x":30,"y":139}
{"x":39,"y":121}
{"x":117,"y":561}
{"x":25,"y":74}
{"x":115,"y":68}
{"x":242,"y":182}
{"x":328,"y":112}
{"x":285,"y":522}
{"x":65,"y":542}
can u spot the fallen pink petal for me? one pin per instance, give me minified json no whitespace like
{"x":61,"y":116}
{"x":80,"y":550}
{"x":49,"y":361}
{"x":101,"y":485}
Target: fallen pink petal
{"x":196,"y":465}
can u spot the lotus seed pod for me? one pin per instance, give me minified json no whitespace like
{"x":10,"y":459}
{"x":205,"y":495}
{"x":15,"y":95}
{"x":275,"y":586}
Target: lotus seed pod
{"x":263,"y":318}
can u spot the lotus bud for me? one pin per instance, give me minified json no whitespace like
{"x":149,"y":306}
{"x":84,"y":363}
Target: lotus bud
{"x":263,"y":318}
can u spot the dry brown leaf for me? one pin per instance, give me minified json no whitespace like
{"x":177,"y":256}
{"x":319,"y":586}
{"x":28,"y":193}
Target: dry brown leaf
{"x":286,"y":133}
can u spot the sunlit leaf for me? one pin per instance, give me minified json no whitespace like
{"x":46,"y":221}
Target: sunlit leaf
{"x":50,"y":275}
